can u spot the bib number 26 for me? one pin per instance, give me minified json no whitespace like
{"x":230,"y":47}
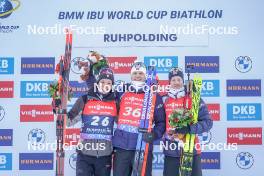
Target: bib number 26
{"x":96,"y":121}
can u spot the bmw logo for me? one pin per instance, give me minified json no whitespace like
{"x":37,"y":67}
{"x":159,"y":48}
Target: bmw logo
{"x":72,"y":160}
{"x":244,"y":160}
{"x":78,"y":63}
{"x":205,"y":138}
{"x":243,"y":64}
{"x":36,"y":136}
{"x":2,"y":113}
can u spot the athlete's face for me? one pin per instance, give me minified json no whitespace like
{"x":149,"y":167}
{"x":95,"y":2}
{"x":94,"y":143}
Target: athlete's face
{"x":105,"y":85}
{"x":176,"y":82}
{"x":138,"y":76}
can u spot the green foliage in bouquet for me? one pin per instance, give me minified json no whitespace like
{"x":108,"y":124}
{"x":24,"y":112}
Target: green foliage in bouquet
{"x":54,"y":91}
{"x":180,"y":118}
{"x":98,"y":66}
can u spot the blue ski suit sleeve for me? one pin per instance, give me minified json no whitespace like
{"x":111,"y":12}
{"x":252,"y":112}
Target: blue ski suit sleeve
{"x":90,"y":81}
{"x":159,"y":118}
{"x":77,"y":107}
{"x":204,"y":123}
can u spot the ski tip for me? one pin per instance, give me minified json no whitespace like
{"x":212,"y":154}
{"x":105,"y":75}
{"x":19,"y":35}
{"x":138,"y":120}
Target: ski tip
{"x":66,"y":30}
{"x":68,"y":35}
{"x":197,"y":77}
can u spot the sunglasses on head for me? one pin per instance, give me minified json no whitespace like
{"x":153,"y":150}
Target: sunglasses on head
{"x":176,"y":69}
{"x":139,"y":65}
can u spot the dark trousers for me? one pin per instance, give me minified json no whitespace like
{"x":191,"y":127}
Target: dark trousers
{"x":123,"y":163}
{"x":172,"y":165}
{"x":93,"y":166}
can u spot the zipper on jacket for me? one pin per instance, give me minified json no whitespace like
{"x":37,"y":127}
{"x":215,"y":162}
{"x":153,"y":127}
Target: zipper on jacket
{"x":97,"y":150}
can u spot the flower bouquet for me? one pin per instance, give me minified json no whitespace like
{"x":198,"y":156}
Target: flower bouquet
{"x":54,"y":91}
{"x":180,"y":118}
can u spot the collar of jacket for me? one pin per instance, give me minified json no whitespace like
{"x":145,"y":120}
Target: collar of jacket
{"x":133,"y":89}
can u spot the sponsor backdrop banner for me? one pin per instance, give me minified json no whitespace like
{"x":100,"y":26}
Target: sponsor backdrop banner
{"x":222,"y":40}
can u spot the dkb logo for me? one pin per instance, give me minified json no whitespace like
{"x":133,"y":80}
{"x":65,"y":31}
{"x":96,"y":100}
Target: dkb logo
{"x":162,"y":63}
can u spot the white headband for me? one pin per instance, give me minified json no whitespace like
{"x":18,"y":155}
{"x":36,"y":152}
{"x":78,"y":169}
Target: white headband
{"x":140,"y":69}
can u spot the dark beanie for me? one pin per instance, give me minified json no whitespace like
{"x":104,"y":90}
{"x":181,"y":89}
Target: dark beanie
{"x":106,"y":73}
{"x":175,"y":71}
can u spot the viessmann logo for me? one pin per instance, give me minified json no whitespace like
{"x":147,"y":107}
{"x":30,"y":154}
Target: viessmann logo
{"x":36,"y":113}
{"x":72,"y":136}
{"x":244,"y":136}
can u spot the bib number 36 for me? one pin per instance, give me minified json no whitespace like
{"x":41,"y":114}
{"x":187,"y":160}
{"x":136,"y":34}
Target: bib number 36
{"x":134,"y":112}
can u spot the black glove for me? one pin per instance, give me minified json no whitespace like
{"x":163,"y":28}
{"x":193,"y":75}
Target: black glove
{"x":148,"y":137}
{"x":183,"y":130}
{"x":56,"y":103}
